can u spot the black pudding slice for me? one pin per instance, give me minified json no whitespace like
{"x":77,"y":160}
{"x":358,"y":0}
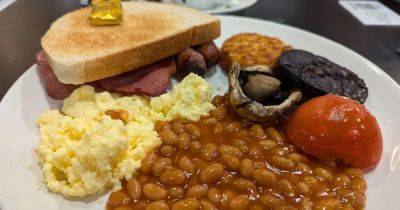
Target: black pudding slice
{"x":315,"y":76}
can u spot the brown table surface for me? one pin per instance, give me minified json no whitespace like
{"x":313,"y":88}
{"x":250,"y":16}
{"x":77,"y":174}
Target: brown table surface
{"x":23,"y":23}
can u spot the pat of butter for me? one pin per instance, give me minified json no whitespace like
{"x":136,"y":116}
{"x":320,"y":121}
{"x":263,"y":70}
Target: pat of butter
{"x":106,"y":12}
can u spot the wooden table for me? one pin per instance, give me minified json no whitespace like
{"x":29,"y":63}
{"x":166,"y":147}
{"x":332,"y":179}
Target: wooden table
{"x":23,"y":24}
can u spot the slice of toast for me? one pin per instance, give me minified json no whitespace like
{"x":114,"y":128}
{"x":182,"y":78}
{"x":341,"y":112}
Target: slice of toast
{"x":79,"y":52}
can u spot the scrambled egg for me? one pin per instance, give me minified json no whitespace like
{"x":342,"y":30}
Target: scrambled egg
{"x":85,"y":149}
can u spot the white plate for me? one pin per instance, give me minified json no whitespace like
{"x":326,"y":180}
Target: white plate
{"x":20,"y":177}
{"x":232,"y":6}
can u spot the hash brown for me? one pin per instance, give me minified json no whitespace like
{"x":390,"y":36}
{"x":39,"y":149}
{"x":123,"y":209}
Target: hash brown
{"x":249,"y":49}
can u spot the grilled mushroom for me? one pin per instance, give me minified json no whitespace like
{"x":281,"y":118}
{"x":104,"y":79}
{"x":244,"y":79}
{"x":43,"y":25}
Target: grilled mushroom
{"x":252,"y":93}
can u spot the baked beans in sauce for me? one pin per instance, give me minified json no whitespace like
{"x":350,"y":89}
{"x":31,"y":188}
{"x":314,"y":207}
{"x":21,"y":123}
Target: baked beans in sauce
{"x":224,"y":162}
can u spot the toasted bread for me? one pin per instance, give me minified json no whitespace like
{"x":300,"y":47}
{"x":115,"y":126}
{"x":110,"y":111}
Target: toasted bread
{"x":249,"y":49}
{"x":79,"y":52}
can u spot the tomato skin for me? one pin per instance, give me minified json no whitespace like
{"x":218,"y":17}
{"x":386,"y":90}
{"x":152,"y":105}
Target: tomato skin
{"x":333,"y":127}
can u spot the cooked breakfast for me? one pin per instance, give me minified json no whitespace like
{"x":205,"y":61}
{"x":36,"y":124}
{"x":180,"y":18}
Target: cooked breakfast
{"x":290,"y":132}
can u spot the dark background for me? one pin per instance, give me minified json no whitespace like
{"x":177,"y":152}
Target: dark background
{"x":23,"y":24}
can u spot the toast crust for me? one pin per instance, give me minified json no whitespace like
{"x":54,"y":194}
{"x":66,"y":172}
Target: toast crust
{"x":79,"y":52}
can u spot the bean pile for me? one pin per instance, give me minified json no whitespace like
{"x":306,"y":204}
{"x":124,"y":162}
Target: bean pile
{"x":224,"y":162}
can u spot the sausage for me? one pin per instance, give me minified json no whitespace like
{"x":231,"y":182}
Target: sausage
{"x":210,"y":52}
{"x":191,"y":61}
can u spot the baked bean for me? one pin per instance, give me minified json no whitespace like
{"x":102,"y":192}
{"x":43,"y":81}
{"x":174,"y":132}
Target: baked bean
{"x":257,"y":131}
{"x":219,"y":128}
{"x":273,"y":134}
{"x":197,"y":191}
{"x":124,"y":208}
{"x":217,"y":100}
{"x":239,"y":202}
{"x":161,"y":126}
{"x":227,"y":177}
{"x":172,"y":177}
{"x":243,"y":184}
{"x":328,"y":204}
{"x":219,"y":112}
{"x":265,"y":177}
{"x":148,"y":162}
{"x":210,"y":121}
{"x":227,"y":196}
{"x":214,"y":195}
{"x":134,"y":188}
{"x":304,"y":169}
{"x":358,"y":185}
{"x":186,"y":204}
{"x":322,"y":174}
{"x":160,"y":165}
{"x":154,"y":192}
{"x":157,"y":205}
{"x":280,"y":151}
{"x":233,"y":126}
{"x":187,"y":165}
{"x":231,"y":161}
{"x":321,"y":191}
{"x":183,"y":141}
{"x":175,"y":192}
{"x":195,"y":147}
{"x":169,"y":137}
{"x":353,"y":172}
{"x":211,"y":173}
{"x":246,"y":168}
{"x":347,"y":207}
{"x":141,"y":205}
{"x":306,"y":204}
{"x":256,"y":207}
{"x":352,"y":197}
{"x":303,"y":188}
{"x":287,"y":187}
{"x":282,"y":163}
{"x":143,"y":179}
{"x":242,"y":134}
{"x":296,"y":157}
{"x":178,"y":127}
{"x":310,"y":180}
{"x":210,"y":151}
{"x":255,"y":152}
{"x":228,"y":149}
{"x":267,"y":144}
{"x":193,"y":130}
{"x":241,"y":145}
{"x":118,"y":198}
{"x":259,"y":164}
{"x":207,"y":205}
{"x":200,"y":164}
{"x":270,"y":201}
{"x":285,"y":207}
{"x":167,"y":150}
{"x":342,"y":180}
{"x":194,"y":180}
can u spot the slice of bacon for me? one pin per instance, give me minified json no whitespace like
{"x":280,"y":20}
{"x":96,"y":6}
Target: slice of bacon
{"x":151,"y":80}
{"x":55,"y":89}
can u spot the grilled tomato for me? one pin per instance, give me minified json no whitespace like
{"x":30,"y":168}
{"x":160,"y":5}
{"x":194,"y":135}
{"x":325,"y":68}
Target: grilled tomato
{"x":333,"y":127}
